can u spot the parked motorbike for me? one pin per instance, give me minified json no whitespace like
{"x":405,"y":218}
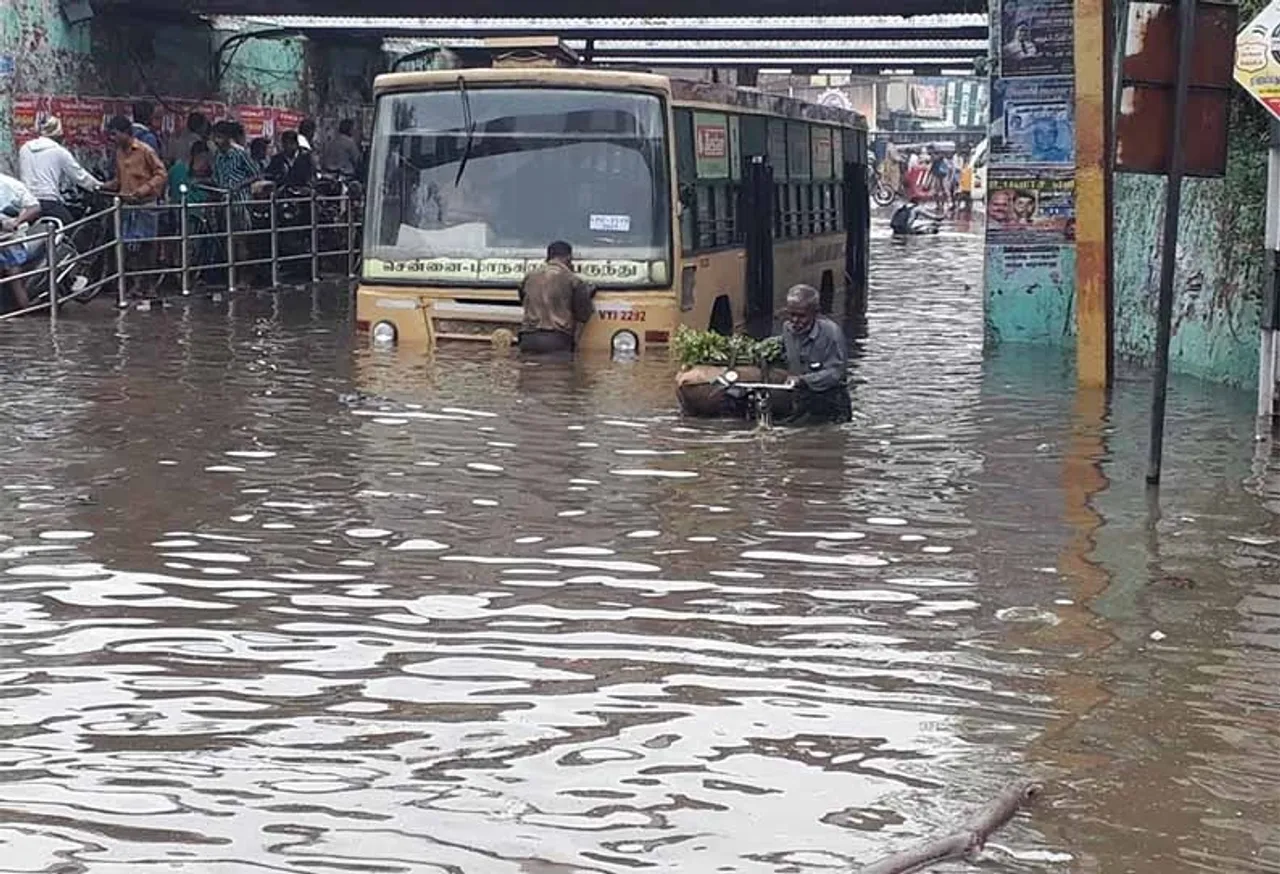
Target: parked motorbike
{"x":70,"y":279}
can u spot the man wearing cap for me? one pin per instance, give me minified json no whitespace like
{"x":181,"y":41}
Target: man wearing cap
{"x":47,"y":168}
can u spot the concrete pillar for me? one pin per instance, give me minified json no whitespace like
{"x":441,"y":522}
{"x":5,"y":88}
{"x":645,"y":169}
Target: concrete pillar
{"x":1093,"y":213}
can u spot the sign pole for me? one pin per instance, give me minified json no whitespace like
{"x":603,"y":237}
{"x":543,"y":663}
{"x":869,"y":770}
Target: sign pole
{"x":1169,"y":244}
{"x":1271,"y":298}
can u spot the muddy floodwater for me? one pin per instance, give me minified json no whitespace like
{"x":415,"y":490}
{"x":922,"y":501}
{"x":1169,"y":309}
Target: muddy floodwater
{"x":270,"y":602}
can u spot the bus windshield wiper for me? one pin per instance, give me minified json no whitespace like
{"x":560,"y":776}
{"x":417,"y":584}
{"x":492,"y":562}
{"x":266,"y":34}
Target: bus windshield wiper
{"x":469,"y":122}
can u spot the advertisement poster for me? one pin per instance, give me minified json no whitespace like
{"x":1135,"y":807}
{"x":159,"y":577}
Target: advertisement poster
{"x":1037,"y":38}
{"x":928,"y":101}
{"x":1031,"y":208}
{"x":711,"y":144}
{"x":1033,"y":121}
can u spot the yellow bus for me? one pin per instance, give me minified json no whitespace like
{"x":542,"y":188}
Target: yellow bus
{"x":685,"y":203}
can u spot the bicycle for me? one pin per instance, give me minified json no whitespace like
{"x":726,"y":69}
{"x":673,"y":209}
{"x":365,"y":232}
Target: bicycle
{"x":758,"y":395}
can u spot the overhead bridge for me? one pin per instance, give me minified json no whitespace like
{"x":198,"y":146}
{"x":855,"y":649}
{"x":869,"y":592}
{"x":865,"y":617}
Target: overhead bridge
{"x":567,"y":8}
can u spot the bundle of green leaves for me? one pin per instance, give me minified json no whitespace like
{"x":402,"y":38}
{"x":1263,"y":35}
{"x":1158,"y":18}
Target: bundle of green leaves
{"x":692,"y":348}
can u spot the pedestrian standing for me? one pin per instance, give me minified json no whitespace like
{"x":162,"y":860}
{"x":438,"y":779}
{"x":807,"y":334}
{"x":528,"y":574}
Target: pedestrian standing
{"x":307,"y":134}
{"x":341,"y":155}
{"x":144,"y":125}
{"x":180,"y":146}
{"x":234,"y":172}
{"x":140,"y":181}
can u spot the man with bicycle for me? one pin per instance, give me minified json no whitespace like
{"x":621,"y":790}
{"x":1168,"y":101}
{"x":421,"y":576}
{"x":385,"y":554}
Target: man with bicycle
{"x":818,"y":359}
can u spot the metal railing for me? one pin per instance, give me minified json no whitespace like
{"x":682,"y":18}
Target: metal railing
{"x":222,"y":236}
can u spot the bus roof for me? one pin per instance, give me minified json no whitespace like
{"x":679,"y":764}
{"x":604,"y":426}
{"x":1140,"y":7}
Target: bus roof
{"x":573,"y":77}
{"x":757,"y":101}
{"x":706,"y":94}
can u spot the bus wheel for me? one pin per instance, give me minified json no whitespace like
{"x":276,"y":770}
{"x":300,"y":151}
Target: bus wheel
{"x":721,"y":317}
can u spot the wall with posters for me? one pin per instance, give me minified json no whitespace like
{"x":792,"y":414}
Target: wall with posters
{"x":1030,"y":254}
{"x":86,"y":72}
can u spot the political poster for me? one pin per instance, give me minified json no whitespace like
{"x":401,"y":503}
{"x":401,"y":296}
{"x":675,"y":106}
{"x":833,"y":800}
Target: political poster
{"x":1031,"y":208}
{"x":1033,"y":121}
{"x":1037,"y":38}
{"x":84,"y":120}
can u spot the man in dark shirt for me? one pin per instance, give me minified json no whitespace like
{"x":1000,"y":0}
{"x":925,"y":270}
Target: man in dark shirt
{"x":341,"y":155}
{"x":291,"y":167}
{"x":818,"y":359}
{"x":556,"y":301}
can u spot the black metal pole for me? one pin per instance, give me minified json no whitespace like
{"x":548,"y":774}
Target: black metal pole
{"x":1169,"y":244}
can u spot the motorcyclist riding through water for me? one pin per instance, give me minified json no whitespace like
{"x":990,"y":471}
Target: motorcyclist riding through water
{"x":912,"y":219}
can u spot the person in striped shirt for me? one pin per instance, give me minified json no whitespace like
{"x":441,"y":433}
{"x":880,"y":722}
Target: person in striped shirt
{"x":234,"y":172}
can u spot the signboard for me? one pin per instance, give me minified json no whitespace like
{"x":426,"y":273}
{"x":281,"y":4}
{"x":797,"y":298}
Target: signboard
{"x":1257,"y":67}
{"x":822,"y":157}
{"x":711,"y":144}
{"x":1037,"y":38}
{"x":928,"y":101}
{"x":507,"y":271}
{"x":1148,"y":74}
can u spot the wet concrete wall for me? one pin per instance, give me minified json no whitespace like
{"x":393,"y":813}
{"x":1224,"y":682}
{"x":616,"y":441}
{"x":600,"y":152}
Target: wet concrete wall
{"x":39,"y":53}
{"x":1220,"y":260}
{"x":116,"y":55}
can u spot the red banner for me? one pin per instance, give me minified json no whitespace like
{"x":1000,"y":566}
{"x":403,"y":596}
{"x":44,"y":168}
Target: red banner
{"x":287,"y":119}
{"x":258,"y":121}
{"x":84,"y":119}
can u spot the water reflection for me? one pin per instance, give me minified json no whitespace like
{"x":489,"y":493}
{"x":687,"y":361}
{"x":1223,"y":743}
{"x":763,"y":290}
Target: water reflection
{"x":273,"y":602}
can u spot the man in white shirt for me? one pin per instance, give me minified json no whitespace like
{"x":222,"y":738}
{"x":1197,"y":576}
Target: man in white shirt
{"x":46,"y":168}
{"x":306,"y":133}
{"x":18,"y":207}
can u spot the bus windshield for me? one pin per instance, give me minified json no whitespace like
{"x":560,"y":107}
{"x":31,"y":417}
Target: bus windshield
{"x":469,"y":186}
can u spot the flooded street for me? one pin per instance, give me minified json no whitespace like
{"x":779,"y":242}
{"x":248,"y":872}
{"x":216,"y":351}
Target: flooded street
{"x":273,"y":602}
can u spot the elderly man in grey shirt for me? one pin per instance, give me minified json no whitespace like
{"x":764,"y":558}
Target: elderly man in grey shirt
{"x":818,"y":359}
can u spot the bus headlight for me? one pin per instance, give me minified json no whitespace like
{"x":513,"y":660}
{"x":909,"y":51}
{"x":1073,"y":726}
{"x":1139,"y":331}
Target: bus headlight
{"x":625,"y":344}
{"x":384,"y":334}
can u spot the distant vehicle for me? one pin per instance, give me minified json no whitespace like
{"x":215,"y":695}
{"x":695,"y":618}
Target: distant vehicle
{"x":979,"y":161}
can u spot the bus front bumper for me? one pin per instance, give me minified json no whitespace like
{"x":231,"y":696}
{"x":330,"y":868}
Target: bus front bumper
{"x":623,"y":323}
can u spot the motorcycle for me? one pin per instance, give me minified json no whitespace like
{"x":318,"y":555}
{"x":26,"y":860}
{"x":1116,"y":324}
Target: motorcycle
{"x":881,"y":194}
{"x":71,"y":280}
{"x":338,"y":208}
{"x":909,"y":221}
